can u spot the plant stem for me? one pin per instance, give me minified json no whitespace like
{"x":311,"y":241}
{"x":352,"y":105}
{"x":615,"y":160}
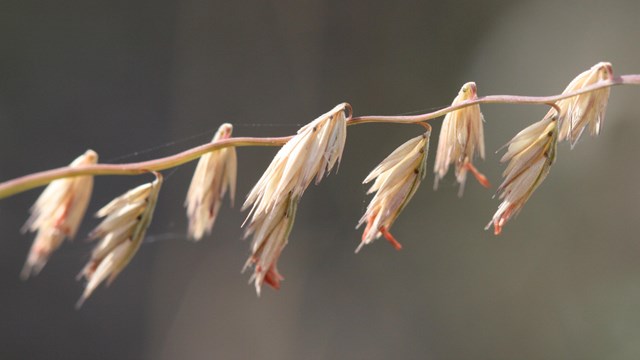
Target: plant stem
{"x":27,"y":182}
{"x":496,"y":99}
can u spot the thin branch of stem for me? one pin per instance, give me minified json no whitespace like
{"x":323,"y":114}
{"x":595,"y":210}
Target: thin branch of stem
{"x":27,"y":182}
{"x":24,"y":183}
{"x":496,"y":99}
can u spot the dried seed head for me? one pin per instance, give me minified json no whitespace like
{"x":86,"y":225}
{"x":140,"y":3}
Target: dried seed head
{"x":127,"y":218}
{"x":530,"y":155}
{"x":397,"y":178}
{"x":461,"y":137}
{"x":214,"y":175}
{"x":585,"y":110}
{"x":57,"y":214}
{"x":312,"y":152}
{"x":270,"y":235}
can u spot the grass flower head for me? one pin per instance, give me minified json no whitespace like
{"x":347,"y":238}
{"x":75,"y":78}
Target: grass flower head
{"x":270,"y":236}
{"x":214,"y":175}
{"x":311,"y":153}
{"x":530,"y":155}
{"x":397,"y":178}
{"x":461,"y":139}
{"x":57,"y":214}
{"x":126,"y":219}
{"x":586,"y":110}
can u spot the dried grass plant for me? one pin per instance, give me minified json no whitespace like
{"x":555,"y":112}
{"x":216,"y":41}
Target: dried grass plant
{"x":308,"y":156}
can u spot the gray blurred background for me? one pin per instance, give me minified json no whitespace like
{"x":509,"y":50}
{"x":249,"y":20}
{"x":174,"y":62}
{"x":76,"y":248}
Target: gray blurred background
{"x":141,"y":79}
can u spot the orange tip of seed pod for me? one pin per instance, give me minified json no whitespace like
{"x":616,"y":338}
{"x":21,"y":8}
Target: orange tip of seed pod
{"x":392,"y":240}
{"x":478,"y":175}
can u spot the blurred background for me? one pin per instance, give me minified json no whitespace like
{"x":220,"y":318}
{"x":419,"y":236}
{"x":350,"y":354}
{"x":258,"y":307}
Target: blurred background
{"x":141,"y":79}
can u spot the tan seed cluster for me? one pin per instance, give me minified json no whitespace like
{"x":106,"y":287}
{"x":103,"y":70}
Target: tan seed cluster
{"x":310,"y":154}
{"x":397,"y":178}
{"x":530,"y":155}
{"x":215,"y":174}
{"x":57,"y":214}
{"x":270,"y":236}
{"x":461,"y":139}
{"x":586,"y":110}
{"x":532,"y":151}
{"x":126,"y":219}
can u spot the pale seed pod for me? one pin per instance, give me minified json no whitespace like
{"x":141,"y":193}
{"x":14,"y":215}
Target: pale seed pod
{"x":126,"y":219}
{"x":215,"y":174}
{"x":270,"y":236}
{"x":57,"y":214}
{"x":314,"y":151}
{"x":585,"y":110}
{"x":530,"y":155}
{"x":461,"y":139}
{"x":397,"y":178}
{"x":311,"y":153}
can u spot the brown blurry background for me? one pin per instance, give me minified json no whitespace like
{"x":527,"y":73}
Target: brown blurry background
{"x":141,"y":79}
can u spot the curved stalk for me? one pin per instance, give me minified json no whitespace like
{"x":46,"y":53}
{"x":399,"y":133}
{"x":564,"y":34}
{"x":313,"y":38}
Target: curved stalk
{"x":496,"y":99}
{"x":27,"y":182}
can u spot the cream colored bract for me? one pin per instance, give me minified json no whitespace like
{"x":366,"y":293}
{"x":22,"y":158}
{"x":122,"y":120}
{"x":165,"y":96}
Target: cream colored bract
{"x":461,"y":138}
{"x":530,"y":155}
{"x":396,"y":180}
{"x":311,"y":153}
{"x":585,"y":110}
{"x":126,"y":219}
{"x":215,"y":174}
{"x":57,"y":214}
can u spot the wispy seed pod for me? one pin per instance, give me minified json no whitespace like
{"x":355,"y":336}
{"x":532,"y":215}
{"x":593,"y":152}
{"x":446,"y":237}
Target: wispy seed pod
{"x":311,"y":153}
{"x":126,"y":219}
{"x":215,"y":174}
{"x":461,"y":139}
{"x":270,"y":236}
{"x":57,"y":214}
{"x":530,"y":155}
{"x":397,"y":178}
{"x":586,"y":110}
